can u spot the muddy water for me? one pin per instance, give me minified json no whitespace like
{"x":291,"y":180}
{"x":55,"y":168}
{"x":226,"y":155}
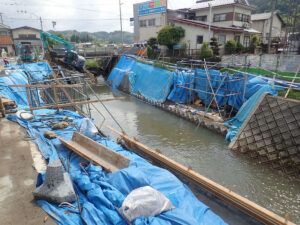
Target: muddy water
{"x":203,"y":150}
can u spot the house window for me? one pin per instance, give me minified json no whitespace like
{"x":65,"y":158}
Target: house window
{"x":219,"y":17}
{"x":143,"y":23}
{"x":151,"y":22}
{"x":243,"y":17}
{"x":3,"y":33}
{"x":237,"y":38}
{"x":246,"y":41}
{"x":222,"y":39}
{"x":32,"y":36}
{"x":22,"y":36}
{"x":199,"y":40}
{"x":202,"y":18}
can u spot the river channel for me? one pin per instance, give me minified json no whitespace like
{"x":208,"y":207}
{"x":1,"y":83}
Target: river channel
{"x":203,"y":150}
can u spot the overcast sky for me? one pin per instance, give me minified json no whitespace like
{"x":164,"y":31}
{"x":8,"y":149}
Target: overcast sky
{"x":81,"y":15}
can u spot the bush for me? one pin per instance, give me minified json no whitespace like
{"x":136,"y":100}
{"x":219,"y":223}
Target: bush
{"x":153,"y":43}
{"x":214,"y":44}
{"x":205,"y":51}
{"x":230,"y":47}
{"x":150,"y":53}
{"x":254,"y":43}
{"x":239,"y":47}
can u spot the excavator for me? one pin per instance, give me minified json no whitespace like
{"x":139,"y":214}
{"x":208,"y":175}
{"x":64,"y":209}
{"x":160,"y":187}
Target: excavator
{"x":70,"y":56}
{"x":26,"y":53}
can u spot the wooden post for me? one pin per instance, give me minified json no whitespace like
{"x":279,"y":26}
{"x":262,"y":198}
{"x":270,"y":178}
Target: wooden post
{"x":288,"y":91}
{"x":55,"y":96}
{"x":29,"y":100}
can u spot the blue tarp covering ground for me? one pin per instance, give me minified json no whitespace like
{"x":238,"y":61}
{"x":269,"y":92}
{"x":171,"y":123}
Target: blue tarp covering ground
{"x":151,"y":82}
{"x":37,"y":70}
{"x":100,"y":191}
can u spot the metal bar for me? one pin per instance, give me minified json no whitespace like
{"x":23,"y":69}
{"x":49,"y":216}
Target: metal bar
{"x":47,"y":86}
{"x":288,"y":91}
{"x":74,"y":103}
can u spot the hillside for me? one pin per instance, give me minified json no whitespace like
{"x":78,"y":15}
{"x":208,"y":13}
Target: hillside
{"x":101,"y":36}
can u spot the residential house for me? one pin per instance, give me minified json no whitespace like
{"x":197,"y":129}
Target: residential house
{"x":5,"y":40}
{"x":223,"y":19}
{"x":27,"y":36}
{"x":262,"y":23}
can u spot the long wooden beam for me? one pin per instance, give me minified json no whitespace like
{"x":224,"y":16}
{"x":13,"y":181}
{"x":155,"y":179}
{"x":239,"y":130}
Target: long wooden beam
{"x":223,"y":193}
{"x":47,"y":86}
{"x":74,"y":103}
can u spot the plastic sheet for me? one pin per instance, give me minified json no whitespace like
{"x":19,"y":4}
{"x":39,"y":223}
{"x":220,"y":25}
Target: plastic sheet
{"x":145,"y":202}
{"x":99,"y":191}
{"x":235,"y":123}
{"x":182,"y":82}
{"x":151,"y":82}
{"x":37,"y":70}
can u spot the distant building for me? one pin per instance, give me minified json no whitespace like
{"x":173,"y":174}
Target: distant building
{"x":27,"y":36}
{"x":5,"y":40}
{"x":262,"y":22}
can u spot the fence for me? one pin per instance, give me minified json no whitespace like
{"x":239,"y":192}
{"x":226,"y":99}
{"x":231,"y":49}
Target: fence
{"x":272,"y":62}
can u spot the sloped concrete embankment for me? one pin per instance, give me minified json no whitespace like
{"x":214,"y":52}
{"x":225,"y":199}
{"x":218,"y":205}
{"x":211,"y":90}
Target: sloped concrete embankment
{"x":271,"y":134}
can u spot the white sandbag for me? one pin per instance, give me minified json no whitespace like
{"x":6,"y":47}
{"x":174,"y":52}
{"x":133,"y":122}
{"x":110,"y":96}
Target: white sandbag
{"x":145,"y":202}
{"x":24,"y":115}
{"x":87,"y":128}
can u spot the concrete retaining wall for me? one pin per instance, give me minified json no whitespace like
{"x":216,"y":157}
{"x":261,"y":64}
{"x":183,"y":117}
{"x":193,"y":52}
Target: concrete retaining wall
{"x":199,"y":118}
{"x":271,"y":134}
{"x":282,"y":63}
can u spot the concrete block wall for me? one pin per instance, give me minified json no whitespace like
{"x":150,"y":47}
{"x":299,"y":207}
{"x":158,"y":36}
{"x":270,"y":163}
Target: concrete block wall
{"x":271,"y":134}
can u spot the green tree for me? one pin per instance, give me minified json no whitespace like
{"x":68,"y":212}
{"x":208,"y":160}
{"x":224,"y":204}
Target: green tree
{"x":214,"y":44}
{"x":153,"y":43}
{"x":230,"y":47}
{"x":170,"y":36}
{"x":205,"y":51}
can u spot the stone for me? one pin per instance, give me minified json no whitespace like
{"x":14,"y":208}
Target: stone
{"x":57,"y":187}
{"x":60,"y":126}
{"x":50,"y":134}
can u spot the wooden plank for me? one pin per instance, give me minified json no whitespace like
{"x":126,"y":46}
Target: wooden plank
{"x":223,"y":193}
{"x":48,"y":86}
{"x":76,"y":103}
{"x":101,"y":155}
{"x":29,"y":100}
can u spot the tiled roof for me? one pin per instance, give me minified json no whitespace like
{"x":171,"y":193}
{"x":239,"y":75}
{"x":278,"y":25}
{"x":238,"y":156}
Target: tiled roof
{"x":5,"y":40}
{"x":214,"y":3}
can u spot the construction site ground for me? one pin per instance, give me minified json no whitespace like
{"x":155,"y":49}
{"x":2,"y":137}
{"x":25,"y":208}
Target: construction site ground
{"x":18,"y":177}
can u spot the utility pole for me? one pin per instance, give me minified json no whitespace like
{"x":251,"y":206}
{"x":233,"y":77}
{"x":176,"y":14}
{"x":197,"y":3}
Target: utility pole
{"x":271,"y":25}
{"x":121,"y":23}
{"x":209,"y":22}
{"x":41,"y":23}
{"x":1,"y":18}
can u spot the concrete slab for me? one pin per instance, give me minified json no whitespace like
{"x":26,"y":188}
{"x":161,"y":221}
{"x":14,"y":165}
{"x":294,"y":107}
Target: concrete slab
{"x":18,"y":178}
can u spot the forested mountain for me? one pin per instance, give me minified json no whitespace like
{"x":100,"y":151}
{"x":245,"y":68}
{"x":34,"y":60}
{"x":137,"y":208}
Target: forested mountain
{"x":101,"y":36}
{"x":282,"y":6}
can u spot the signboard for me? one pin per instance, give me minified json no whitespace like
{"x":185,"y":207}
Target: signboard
{"x":152,"y":7}
{"x":131,"y":19}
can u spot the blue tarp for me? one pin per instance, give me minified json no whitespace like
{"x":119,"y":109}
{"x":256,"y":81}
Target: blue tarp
{"x":151,"y":82}
{"x":37,"y":70}
{"x":99,"y":191}
{"x":235,"y":123}
{"x":183,"y":82}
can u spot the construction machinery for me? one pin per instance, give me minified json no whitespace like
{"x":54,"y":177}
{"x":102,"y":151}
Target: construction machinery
{"x":70,"y":56}
{"x":26,"y":53}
